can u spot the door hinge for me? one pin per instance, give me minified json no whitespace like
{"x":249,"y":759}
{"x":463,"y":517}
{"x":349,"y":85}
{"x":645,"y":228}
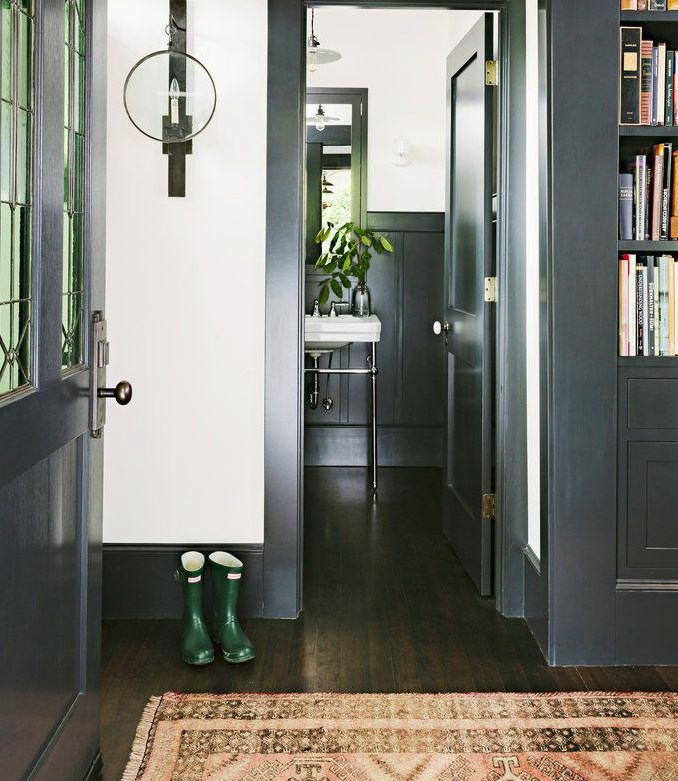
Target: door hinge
{"x":489,"y":505}
{"x":491,"y":73}
{"x":361,"y":108}
{"x":490,"y":290}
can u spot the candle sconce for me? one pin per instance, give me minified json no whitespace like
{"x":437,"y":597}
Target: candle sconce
{"x":169,"y":96}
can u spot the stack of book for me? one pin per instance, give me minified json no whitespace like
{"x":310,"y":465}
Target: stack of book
{"x":649,"y":5}
{"x":648,"y":291}
{"x":648,"y":195}
{"x":648,"y":80}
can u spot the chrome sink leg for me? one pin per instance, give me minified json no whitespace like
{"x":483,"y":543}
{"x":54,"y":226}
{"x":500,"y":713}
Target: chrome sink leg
{"x":313,"y":389}
{"x":372,"y":361}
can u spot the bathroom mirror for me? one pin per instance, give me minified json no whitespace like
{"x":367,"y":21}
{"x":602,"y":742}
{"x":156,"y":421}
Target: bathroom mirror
{"x":336,"y":171}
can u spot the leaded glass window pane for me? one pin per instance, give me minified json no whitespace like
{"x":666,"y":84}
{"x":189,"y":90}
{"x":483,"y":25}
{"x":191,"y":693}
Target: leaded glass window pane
{"x":74,"y":185}
{"x":16,"y":192}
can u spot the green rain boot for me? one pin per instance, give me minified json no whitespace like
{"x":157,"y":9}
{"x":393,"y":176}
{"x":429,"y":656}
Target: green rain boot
{"x":196,"y":645}
{"x":226,"y":574}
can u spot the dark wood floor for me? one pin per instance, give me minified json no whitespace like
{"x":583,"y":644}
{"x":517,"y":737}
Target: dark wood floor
{"x":387,"y":608}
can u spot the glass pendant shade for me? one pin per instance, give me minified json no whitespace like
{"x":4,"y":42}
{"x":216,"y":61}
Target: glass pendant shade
{"x":316,"y":55}
{"x":170,"y":96}
{"x":320,"y":119}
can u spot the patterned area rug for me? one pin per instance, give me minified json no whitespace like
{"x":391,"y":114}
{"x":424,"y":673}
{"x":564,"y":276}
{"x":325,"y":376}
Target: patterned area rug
{"x":407,"y":737}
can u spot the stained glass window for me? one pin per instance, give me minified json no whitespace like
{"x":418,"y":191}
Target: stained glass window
{"x":16,"y":152}
{"x":74,"y":185}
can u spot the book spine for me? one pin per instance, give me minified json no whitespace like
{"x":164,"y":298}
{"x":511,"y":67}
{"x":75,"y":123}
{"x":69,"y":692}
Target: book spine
{"x":655,"y":76}
{"x":671,"y":5}
{"x":656,"y":310}
{"x":672,"y":308}
{"x":629,"y":5}
{"x":660,"y":5}
{"x":650,"y":306}
{"x":633,"y":342}
{"x":666,"y":190}
{"x":624,"y":305}
{"x":663,"y":310}
{"x":629,"y":75}
{"x":657,"y":190}
{"x":640,"y":323}
{"x":642,"y":5}
{"x":670,"y":60}
{"x":646,"y":191}
{"x":646,"y":83}
{"x":675,"y":293}
{"x":626,"y":207}
{"x":661,"y":84}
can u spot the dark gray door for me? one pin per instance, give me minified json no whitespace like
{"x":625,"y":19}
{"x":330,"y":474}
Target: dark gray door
{"x":52,"y":185}
{"x":469,"y":258}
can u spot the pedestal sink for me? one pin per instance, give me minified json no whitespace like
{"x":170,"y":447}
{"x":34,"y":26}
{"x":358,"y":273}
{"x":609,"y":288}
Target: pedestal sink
{"x":326,"y":334}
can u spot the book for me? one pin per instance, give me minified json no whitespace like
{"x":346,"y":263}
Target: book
{"x":624,"y":305}
{"x":629,"y":5}
{"x":673,"y":223}
{"x":647,"y":174}
{"x":675,"y":293}
{"x":626,"y":207}
{"x":657,"y":5}
{"x":651,"y":320}
{"x":629,"y":75}
{"x":642,"y":5}
{"x":671,"y":5}
{"x":670,"y":61}
{"x":637,"y":168}
{"x":661,"y":83}
{"x":657,"y":191}
{"x":663,"y":308}
{"x":666,"y":191}
{"x":672,"y":308}
{"x":640,"y":311}
{"x":646,"y":82}
{"x":631,"y":298}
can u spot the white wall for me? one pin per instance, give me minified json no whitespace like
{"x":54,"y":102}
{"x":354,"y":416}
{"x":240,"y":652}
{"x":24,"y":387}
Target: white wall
{"x":184,"y":462}
{"x":400,"y":57}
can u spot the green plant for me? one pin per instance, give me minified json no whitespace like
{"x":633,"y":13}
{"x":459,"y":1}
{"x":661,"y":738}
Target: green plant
{"x":348,"y":255}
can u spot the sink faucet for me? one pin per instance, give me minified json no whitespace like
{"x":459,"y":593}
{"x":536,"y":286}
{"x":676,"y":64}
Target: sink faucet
{"x":316,"y":309}
{"x":335,"y":304}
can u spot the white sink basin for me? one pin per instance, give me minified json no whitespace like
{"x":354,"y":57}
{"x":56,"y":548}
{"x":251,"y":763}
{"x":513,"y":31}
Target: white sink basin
{"x":326,"y":334}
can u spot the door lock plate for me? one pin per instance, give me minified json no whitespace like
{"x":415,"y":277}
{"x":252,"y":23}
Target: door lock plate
{"x":489,"y":506}
{"x":99,"y":357}
{"x":491,"y":290}
{"x":491,"y":73}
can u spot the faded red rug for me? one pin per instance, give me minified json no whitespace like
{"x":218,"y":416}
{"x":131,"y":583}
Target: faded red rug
{"x":407,"y":737}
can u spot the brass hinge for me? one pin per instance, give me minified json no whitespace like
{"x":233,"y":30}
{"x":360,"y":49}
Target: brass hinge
{"x":491,"y":73}
{"x":491,"y":290}
{"x":489,"y":505}
{"x":361,"y":108}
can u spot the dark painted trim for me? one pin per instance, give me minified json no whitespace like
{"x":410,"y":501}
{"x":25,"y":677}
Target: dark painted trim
{"x":407,"y":222}
{"x":138,"y":580}
{"x":645,"y":633}
{"x":332,"y":135}
{"x":284,"y":303}
{"x":95,"y":769}
{"x":349,"y":445}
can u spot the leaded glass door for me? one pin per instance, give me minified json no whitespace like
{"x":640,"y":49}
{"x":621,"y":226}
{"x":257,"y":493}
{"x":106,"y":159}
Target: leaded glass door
{"x":52,"y":184}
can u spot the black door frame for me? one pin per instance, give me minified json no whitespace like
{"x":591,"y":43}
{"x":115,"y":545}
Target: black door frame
{"x":283,"y":433}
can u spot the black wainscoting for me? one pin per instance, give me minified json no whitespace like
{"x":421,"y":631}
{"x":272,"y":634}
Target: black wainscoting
{"x":406,"y":289}
{"x":138,"y":580}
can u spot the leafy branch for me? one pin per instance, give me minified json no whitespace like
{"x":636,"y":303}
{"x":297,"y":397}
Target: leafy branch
{"x":348,"y":255}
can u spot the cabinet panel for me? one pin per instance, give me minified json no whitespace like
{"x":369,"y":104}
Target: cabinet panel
{"x":652,"y":403}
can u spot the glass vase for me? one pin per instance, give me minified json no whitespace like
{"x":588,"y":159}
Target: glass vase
{"x":362,"y":304}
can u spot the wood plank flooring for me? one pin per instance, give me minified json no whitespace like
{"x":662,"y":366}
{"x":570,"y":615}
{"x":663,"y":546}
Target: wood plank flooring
{"x":387,"y":608}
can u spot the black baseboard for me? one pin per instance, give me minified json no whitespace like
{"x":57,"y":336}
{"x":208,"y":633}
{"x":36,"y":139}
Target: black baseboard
{"x":138,"y":580}
{"x":350,"y":446}
{"x":95,"y":768}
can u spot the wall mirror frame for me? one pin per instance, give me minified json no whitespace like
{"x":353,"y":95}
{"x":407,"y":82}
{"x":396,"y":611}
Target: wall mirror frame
{"x":335,"y":135}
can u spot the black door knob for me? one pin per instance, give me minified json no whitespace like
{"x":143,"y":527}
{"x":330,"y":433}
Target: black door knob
{"x":122,"y":392}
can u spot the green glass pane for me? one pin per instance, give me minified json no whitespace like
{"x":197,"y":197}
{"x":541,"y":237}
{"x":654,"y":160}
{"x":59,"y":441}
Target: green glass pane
{"x":23,"y":157}
{"x":6,"y":51}
{"x":76,"y":253}
{"x":79,"y":24}
{"x":67,"y":87}
{"x":25,"y":72}
{"x":78,"y":173}
{"x":66,"y":268}
{"x":5,"y":149}
{"x":22,"y":252}
{"x":5,"y":251}
{"x":67,"y":21}
{"x":78,"y":93}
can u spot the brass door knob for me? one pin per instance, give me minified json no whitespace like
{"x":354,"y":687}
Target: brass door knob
{"x":122,"y":392}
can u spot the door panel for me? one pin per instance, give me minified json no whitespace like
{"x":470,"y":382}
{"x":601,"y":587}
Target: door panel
{"x":469,"y":258}
{"x":50,"y":467}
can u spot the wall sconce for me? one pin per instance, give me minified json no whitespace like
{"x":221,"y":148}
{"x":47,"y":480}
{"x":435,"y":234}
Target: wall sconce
{"x":170,"y":96}
{"x":401,"y":151}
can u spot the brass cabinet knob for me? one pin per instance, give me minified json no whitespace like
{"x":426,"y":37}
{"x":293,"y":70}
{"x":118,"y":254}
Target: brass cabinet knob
{"x":122,"y":392}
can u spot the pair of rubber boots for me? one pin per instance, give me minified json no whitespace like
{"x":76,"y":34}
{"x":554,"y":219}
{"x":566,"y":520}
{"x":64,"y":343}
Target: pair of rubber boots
{"x":196,"y":644}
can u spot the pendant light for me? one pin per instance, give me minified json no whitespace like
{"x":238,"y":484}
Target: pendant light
{"x":320,"y":119}
{"x":315,"y":54}
{"x":327,"y":185}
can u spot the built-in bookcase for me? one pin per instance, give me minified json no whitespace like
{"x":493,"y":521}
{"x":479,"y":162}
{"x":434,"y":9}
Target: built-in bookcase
{"x":647,"y":459}
{"x":638,"y":139}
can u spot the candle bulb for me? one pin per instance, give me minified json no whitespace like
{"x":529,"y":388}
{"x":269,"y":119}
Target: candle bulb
{"x":174,"y":102}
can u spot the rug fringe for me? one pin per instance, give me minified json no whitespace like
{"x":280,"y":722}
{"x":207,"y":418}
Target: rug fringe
{"x":138,"y":752}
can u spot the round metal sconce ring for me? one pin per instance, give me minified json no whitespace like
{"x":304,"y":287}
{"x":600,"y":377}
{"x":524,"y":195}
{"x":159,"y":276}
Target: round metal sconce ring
{"x":200,"y":69}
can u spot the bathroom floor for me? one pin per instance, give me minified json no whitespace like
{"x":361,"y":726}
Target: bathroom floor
{"x":387,"y":608}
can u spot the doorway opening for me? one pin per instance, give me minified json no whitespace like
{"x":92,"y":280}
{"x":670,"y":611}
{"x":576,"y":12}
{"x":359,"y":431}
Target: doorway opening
{"x":400,"y":246}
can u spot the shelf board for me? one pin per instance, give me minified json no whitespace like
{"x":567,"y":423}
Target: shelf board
{"x":649,"y":362}
{"x":637,"y":17}
{"x":648,"y":246}
{"x":648,"y":131}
